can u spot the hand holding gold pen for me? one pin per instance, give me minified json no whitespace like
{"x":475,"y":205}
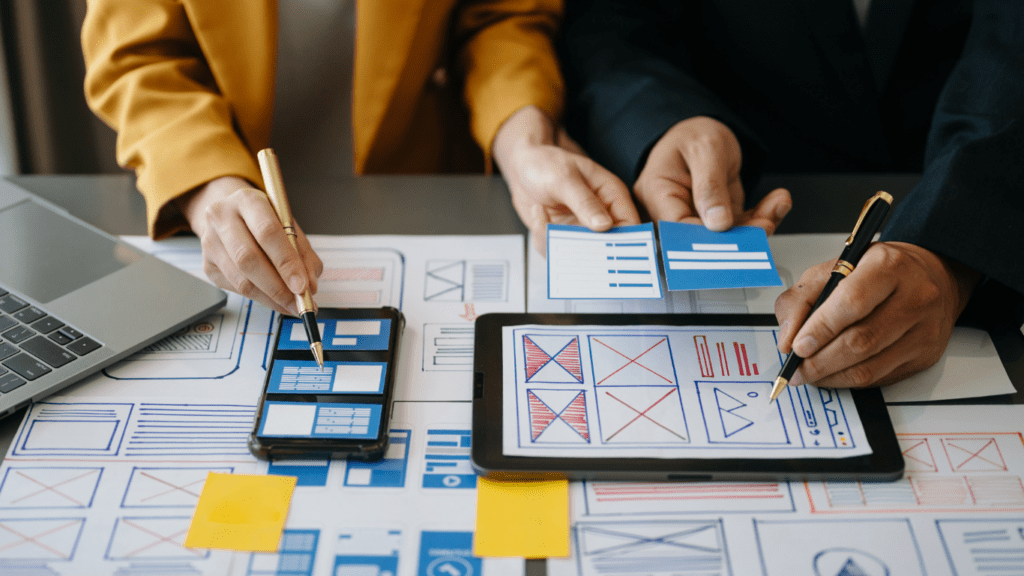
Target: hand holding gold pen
{"x":279,"y":200}
{"x":869,"y":223}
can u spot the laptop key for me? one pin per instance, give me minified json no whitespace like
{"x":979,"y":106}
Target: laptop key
{"x":7,"y":350}
{"x":83,"y":346}
{"x":6,"y":322}
{"x":28,"y":315}
{"x":71,"y":332}
{"x":19,"y":333}
{"x":46,"y":325}
{"x":10,"y":303}
{"x":3,"y":292}
{"x":9,"y":382}
{"x":26,"y":366}
{"x":60,"y":337}
{"x":48,"y":352}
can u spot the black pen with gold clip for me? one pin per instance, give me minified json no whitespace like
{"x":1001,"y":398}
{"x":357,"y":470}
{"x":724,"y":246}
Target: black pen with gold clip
{"x":279,"y":200}
{"x":869,"y":223}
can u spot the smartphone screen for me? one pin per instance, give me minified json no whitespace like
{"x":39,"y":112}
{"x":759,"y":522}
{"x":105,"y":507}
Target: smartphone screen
{"x":342,"y":410}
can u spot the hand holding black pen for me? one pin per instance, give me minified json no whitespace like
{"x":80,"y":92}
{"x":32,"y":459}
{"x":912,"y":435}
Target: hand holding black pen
{"x":869,"y":223}
{"x":279,"y":200}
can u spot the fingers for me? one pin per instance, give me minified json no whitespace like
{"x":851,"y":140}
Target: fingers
{"x":314,"y":266}
{"x":793,"y":305}
{"x":711,"y":196}
{"x":608,"y":191}
{"x":770,"y":211}
{"x":222,"y":271}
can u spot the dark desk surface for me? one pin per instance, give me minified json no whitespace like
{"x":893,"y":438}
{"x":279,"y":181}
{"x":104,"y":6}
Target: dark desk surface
{"x":470,"y":205}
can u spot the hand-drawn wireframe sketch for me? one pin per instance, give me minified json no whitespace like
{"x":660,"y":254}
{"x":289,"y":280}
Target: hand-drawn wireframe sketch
{"x":632,"y":360}
{"x":669,"y":498}
{"x":655,"y":548}
{"x":79,"y":429}
{"x":448,"y":347}
{"x":983,"y":546}
{"x":620,"y":263}
{"x":26,"y":487}
{"x":466,"y":281}
{"x":446,"y":461}
{"x":389,"y":471}
{"x":662,"y":392}
{"x":869,"y":547}
{"x":367,"y":552}
{"x":39,"y":539}
{"x":552,"y":359}
{"x":448,"y":554}
{"x":361,"y":278}
{"x":296,"y":555}
{"x":213,"y":431}
{"x":310,"y":472}
{"x":152,"y":537}
{"x":641,"y":415}
{"x":944,"y":473}
{"x":167,"y":487}
{"x":558,"y":416}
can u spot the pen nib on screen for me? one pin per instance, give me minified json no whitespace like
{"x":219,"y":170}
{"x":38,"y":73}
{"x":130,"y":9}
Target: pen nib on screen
{"x":780,"y":385}
{"x":318,"y":354}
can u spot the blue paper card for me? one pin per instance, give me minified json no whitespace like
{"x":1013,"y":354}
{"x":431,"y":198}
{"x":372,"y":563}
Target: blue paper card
{"x":320,"y":420}
{"x":337,"y":334}
{"x":699,"y":259}
{"x":619,"y":263}
{"x":305,"y":377}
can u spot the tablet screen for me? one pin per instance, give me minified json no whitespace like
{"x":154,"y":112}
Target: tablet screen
{"x":655,"y":391}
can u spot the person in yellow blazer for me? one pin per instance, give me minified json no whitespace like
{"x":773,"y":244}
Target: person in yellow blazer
{"x":188,"y":85}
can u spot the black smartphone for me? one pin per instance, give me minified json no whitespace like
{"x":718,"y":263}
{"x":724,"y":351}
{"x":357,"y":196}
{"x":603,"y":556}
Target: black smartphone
{"x":342,"y":411}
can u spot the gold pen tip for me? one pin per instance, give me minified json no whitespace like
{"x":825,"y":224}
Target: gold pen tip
{"x":318,"y":354}
{"x":778,"y":387}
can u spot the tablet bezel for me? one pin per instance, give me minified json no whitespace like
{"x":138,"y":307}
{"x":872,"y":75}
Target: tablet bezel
{"x":884,"y":463}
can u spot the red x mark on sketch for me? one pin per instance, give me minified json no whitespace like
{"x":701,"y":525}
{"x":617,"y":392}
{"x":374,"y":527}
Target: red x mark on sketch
{"x":920,"y":452}
{"x":52,"y":488}
{"x":987,"y":453}
{"x":174,"y":488}
{"x":644,"y":415}
{"x":632,"y":361}
{"x":34,"y":539}
{"x":159,"y":539}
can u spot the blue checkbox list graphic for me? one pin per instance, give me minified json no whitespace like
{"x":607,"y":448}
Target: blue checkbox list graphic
{"x":699,"y":259}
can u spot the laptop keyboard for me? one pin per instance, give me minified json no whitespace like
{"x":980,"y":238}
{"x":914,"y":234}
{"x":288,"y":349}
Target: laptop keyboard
{"x":33,"y":343}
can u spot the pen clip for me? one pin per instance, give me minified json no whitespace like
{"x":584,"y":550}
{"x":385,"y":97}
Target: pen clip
{"x":879,"y":196}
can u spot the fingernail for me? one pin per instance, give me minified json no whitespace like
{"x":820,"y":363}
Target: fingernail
{"x":781,"y":211}
{"x":295,"y":284}
{"x":805,"y":346}
{"x":602,"y":221}
{"x":716,"y":218}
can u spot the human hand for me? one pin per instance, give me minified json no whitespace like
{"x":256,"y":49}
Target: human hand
{"x":692,"y":174}
{"x":245,"y":249}
{"x":552,"y":180}
{"x":889,"y":319}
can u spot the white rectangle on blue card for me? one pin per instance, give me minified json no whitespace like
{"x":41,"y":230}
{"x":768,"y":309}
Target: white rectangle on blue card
{"x":337,"y":334}
{"x":305,"y":377}
{"x":619,"y":263}
{"x":320,"y":420}
{"x":698,"y":259}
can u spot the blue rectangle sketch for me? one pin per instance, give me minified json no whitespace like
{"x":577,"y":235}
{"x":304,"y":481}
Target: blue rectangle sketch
{"x":656,"y":548}
{"x":73,"y":429}
{"x":167,"y":486}
{"x":983,"y":545}
{"x":296,"y":555}
{"x":337,"y":334}
{"x":306,"y":377}
{"x":189,"y":430}
{"x":446,"y":461}
{"x":699,"y":259}
{"x":26,"y":487}
{"x":388,"y":472}
{"x":311,"y":472}
{"x":320,"y":420}
{"x":448,"y":554}
{"x":39,"y":539}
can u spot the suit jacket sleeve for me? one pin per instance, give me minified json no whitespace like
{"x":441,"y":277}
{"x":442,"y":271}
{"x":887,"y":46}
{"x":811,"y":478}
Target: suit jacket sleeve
{"x":969,"y":204}
{"x":507,"y":58}
{"x":147,"y":77}
{"x":623,"y":94}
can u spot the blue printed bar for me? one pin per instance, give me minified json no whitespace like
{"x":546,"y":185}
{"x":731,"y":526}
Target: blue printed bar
{"x":305,"y":377}
{"x":320,"y":420}
{"x":337,"y":334}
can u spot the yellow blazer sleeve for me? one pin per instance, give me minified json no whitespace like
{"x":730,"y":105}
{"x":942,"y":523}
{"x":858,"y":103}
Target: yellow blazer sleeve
{"x":147,"y":77}
{"x":507,"y":56}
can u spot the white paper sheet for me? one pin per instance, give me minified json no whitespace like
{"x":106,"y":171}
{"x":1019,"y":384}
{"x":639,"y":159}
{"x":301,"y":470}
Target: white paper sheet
{"x":959,"y":510}
{"x":664,"y":392}
{"x":104,"y":478}
{"x":969,"y":368}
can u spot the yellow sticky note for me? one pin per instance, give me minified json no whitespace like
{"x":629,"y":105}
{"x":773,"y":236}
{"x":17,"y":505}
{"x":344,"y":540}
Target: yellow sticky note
{"x":241,"y":512}
{"x":527,"y":519}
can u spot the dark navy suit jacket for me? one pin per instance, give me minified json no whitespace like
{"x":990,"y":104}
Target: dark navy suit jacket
{"x":930,"y":86}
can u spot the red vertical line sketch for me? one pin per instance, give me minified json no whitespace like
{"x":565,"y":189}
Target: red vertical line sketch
{"x":707,"y":370}
{"x":743,"y":348}
{"x":723,"y":358}
{"x":739,"y":359}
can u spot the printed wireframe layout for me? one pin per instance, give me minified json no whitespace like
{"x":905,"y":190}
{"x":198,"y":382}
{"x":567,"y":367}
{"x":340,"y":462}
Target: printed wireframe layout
{"x":665,"y":391}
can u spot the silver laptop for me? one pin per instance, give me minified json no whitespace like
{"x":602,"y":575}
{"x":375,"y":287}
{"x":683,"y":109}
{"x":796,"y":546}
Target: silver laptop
{"x":74,"y":299}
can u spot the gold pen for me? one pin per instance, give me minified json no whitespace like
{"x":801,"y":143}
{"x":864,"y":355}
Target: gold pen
{"x":279,"y":200}
{"x":869,"y":223}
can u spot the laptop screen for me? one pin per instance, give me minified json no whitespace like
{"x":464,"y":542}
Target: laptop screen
{"x":45,"y":255}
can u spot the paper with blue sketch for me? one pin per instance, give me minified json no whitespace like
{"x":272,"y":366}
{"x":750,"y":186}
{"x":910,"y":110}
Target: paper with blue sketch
{"x":619,"y":263}
{"x":699,"y":259}
{"x":664,"y":392}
